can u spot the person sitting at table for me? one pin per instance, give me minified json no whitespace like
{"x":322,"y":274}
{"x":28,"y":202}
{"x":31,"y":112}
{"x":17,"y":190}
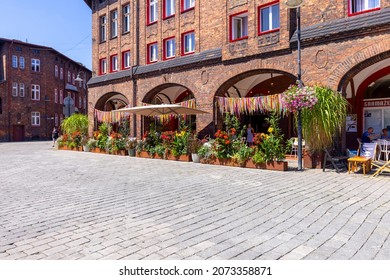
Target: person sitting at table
{"x":385,"y":134}
{"x":369,"y":135}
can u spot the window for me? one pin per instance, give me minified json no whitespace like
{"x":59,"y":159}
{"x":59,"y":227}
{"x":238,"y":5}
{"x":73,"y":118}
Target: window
{"x":73,"y":78}
{"x":103,"y":66}
{"x":35,"y":65}
{"x":187,"y":4}
{"x":21,"y":90}
{"x":152,"y":11}
{"x":126,"y":18}
{"x":239,"y":26}
{"x":56,"y":71}
{"x":61,"y":73}
{"x":152,"y":52}
{"x":169,"y":48}
{"x":80,"y":102}
{"x":126,"y":60}
{"x":114,"y":63}
{"x":56,"y":119}
{"x":362,"y":6}
{"x":15,"y":61}
{"x":114,"y":24}
{"x":35,"y":92}
{"x":69,"y":77}
{"x":269,"y":19}
{"x":55,"y":95}
{"x":21,"y":62}
{"x":169,"y":8}
{"x":85,"y":103}
{"x":35,"y":118}
{"x":103,"y":23}
{"x":14,"y":89}
{"x":61,"y":97}
{"x":188,"y":43}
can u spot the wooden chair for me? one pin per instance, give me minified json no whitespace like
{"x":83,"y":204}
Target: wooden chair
{"x":337,"y":162}
{"x":382,"y":167}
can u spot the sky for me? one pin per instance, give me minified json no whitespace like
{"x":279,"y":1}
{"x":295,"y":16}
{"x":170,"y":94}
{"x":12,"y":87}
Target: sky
{"x":65,"y":26}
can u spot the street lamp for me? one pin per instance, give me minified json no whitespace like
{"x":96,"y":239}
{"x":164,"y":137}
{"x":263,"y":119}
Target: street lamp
{"x":295,"y":4}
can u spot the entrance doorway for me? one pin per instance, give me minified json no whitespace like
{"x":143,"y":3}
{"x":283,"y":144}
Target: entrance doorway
{"x":18,"y":132}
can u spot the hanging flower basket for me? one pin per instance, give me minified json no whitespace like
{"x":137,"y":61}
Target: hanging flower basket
{"x":296,"y":98}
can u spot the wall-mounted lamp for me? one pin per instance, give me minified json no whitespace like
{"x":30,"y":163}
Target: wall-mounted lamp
{"x":79,"y":79}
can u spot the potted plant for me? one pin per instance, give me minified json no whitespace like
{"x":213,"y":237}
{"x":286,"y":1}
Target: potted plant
{"x":131,"y":144}
{"x":91,"y":144}
{"x":194,"y":144}
{"x":242,"y":152}
{"x":83,"y":142}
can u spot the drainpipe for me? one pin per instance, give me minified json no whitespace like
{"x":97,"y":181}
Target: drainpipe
{"x":9,"y":62}
{"x":135,"y":85}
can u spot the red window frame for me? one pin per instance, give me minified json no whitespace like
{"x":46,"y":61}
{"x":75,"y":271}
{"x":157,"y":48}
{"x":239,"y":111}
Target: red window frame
{"x":148,"y":13}
{"x":164,"y":14}
{"x":182,"y":42}
{"x":117,"y":61}
{"x":123,"y":60}
{"x":100,"y":66}
{"x":148,"y":61}
{"x":231,"y":27}
{"x":350,"y":14}
{"x":182,"y":10}
{"x":165,"y":49}
{"x":259,"y":16}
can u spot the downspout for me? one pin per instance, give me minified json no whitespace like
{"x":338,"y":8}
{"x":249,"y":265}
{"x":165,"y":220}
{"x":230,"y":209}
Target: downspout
{"x":135,"y":86}
{"x":9,"y":87}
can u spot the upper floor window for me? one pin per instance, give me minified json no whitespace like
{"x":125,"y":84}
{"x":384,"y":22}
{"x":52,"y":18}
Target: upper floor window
{"x":126,"y":60}
{"x":188,"y":43}
{"x":269,"y":19}
{"x":35,"y":65}
{"x":126,"y":18}
{"x":35,"y":92}
{"x":69,"y":77}
{"x":35,"y":118}
{"x":61,"y":73}
{"x":152,"y":53}
{"x":239,"y":26}
{"x":103,"y":66}
{"x":152,"y":11}
{"x":21,"y":90}
{"x":55,"y":95}
{"x":56,"y":119}
{"x":61,"y":96}
{"x":56,"y":71}
{"x":169,"y":48}
{"x":361,"y":6}
{"x":21,"y":62}
{"x":15,"y":61}
{"x":14,"y":89}
{"x":114,"y":63}
{"x":187,"y":4}
{"x":73,"y":78}
{"x":114,"y":23}
{"x":103,"y":24}
{"x":169,"y":8}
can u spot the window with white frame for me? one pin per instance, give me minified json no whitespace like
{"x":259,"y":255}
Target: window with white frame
{"x":56,"y":71}
{"x":103,"y":66}
{"x":114,"y":23}
{"x":61,"y":97}
{"x":169,"y":8}
{"x":35,"y":65}
{"x":239,"y":26}
{"x":35,"y":118}
{"x":55,"y":95}
{"x":14,"y":61}
{"x":61,"y":73}
{"x":152,"y":11}
{"x":103,"y":25}
{"x":73,"y":78}
{"x":187,"y":4}
{"x":22,"y":92}
{"x":69,"y":77}
{"x":152,"y":52}
{"x":188,"y":43}
{"x":14,"y":89}
{"x":169,"y":48}
{"x":35,"y":92}
{"x":126,"y":18}
{"x":359,"y":6}
{"x":126,"y":60}
{"x":56,"y":119}
{"x":21,"y":62}
{"x":114,"y":63}
{"x":269,"y":18}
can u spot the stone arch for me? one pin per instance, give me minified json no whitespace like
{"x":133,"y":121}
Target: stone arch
{"x":177,"y":96}
{"x":111,"y":101}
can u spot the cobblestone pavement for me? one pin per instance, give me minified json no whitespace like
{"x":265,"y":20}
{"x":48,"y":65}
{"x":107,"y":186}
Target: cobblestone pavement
{"x":74,"y":205}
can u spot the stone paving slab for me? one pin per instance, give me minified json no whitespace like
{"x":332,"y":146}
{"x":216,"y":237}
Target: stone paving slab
{"x":73,"y":205}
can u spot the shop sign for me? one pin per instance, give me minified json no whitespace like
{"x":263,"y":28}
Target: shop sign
{"x":377,"y":103}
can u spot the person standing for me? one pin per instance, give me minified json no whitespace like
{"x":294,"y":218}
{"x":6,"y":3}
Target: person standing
{"x":54,"y":135}
{"x":249,"y":135}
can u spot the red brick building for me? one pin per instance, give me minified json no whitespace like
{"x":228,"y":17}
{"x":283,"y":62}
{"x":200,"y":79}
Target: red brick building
{"x":168,"y":51}
{"x":34,"y":80}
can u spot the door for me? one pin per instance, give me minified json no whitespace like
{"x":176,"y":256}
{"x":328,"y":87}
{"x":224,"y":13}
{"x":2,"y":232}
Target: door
{"x":18,"y":133}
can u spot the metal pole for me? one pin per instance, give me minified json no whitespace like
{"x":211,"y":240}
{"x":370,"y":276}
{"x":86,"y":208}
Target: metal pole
{"x":300,"y":86}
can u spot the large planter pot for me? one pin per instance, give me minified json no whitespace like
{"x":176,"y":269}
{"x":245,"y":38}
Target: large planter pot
{"x":131,"y":152}
{"x":313,"y":160}
{"x":195,"y":158}
{"x":277,"y":165}
{"x":251,"y":164}
{"x":186,"y":158}
{"x":144,"y":154}
{"x":120,"y":152}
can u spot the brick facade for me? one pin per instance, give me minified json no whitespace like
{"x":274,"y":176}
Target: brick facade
{"x":336,"y":47}
{"x":17,"y":108}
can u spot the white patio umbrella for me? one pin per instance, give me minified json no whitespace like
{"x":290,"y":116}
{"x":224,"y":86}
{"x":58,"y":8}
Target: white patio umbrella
{"x":162,"y":109}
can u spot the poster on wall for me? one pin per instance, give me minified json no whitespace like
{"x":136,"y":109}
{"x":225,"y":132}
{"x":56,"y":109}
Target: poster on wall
{"x":351,"y":123}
